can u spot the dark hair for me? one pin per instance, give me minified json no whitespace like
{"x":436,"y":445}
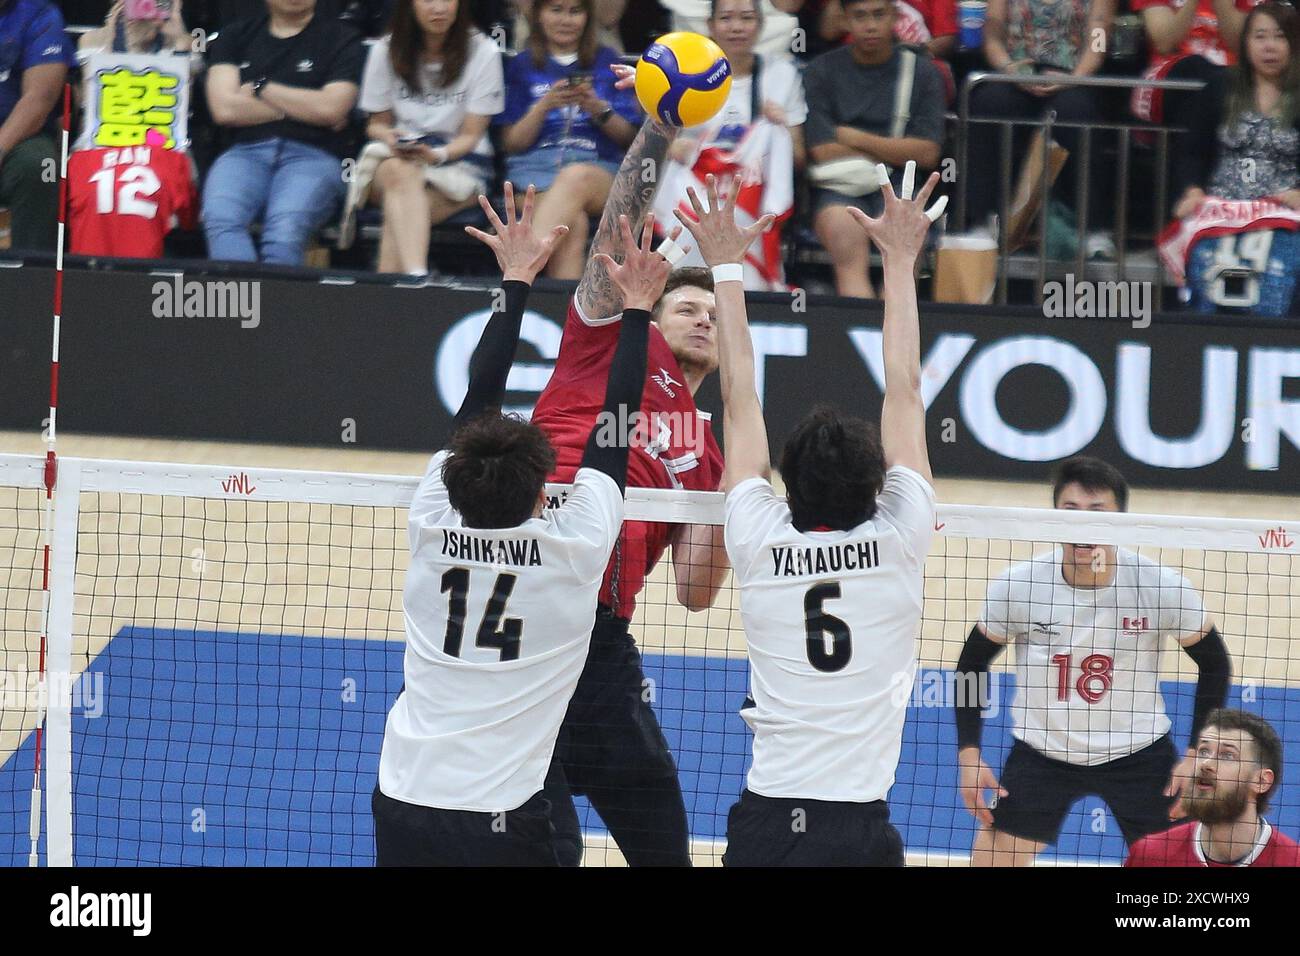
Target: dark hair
{"x":694,"y":276}
{"x":497,"y":468}
{"x":1268,"y":748}
{"x":757,"y":5}
{"x":1241,"y":82}
{"x":406,"y":47}
{"x":833,"y":468}
{"x":1092,"y":474}
{"x":587,"y":44}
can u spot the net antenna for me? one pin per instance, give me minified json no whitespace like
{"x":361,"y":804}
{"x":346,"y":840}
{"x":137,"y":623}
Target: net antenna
{"x":50,"y":478}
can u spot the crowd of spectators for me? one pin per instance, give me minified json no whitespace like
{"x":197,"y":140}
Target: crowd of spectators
{"x":323,"y":108}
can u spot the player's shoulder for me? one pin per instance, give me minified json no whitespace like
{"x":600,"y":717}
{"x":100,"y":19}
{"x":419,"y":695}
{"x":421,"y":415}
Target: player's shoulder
{"x":901,"y":475}
{"x":1042,"y":568}
{"x":749,"y":491}
{"x":1285,"y":850}
{"x":1164,"y":848}
{"x":577,"y":316}
{"x":1146,"y":572}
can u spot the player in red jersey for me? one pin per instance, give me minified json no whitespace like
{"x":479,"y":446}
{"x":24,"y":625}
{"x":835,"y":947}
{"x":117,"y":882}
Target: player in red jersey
{"x":123,"y":201}
{"x":611,"y":747}
{"x":1238,"y":769}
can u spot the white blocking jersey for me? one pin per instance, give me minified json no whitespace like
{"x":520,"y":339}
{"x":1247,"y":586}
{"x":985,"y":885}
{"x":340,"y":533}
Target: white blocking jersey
{"x":831,"y":620}
{"x":497,"y":628}
{"x":1088,"y":659}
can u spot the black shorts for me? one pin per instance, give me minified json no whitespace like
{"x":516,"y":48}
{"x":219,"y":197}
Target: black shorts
{"x":772,"y":831}
{"x":611,"y":749}
{"x":1040,"y":791}
{"x":411,"y":835}
{"x":611,"y":736}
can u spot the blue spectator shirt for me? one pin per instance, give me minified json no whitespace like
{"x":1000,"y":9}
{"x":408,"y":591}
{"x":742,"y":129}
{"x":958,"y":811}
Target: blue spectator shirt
{"x":569,"y":129}
{"x":31,"y":34}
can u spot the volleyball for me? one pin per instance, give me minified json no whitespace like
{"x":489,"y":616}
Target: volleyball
{"x":683,"y":79}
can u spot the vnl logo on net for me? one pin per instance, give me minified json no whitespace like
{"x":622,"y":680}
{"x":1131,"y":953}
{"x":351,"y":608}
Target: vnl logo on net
{"x":26,"y":692}
{"x":209,"y":299}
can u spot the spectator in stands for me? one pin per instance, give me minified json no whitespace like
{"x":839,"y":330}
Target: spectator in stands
{"x":565,"y":127}
{"x":1184,"y":44}
{"x":857,"y":119}
{"x":758,"y":132}
{"x":608,"y":13}
{"x":34,"y":61}
{"x":1024,"y":37}
{"x":126,"y":32}
{"x":283,"y":85}
{"x":776,"y":36}
{"x":927,"y":24}
{"x":1245,"y":150}
{"x":1249,"y":147}
{"x":431,"y":89}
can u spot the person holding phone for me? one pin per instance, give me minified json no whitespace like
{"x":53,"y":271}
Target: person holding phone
{"x":565,"y":127}
{"x":138,"y":26}
{"x":431,"y":88}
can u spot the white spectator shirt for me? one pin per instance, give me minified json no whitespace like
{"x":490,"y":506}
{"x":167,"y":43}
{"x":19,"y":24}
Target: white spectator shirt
{"x":831,"y":620}
{"x":497,"y":628}
{"x":1088,"y":659}
{"x":433,"y":110}
{"x":778,"y":81}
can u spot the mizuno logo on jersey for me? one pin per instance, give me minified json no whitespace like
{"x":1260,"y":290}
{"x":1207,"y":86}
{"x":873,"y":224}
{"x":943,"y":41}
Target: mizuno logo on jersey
{"x":829,"y":559}
{"x":1046,"y":627}
{"x":468,"y":547}
{"x":304,"y":66}
{"x":665,"y":381}
{"x":1135,"y":626}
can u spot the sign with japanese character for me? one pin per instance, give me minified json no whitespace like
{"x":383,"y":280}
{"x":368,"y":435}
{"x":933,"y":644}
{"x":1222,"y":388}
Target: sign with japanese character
{"x":131,"y":94}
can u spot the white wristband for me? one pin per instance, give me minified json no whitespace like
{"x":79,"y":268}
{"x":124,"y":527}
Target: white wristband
{"x":729,"y":272}
{"x":671,"y":251}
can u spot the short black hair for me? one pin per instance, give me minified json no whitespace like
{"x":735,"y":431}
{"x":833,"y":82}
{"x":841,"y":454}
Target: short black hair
{"x":1268,"y":747}
{"x":1092,"y":474}
{"x":845,"y":4}
{"x":694,"y":276}
{"x":833,"y":468}
{"x":497,"y":468}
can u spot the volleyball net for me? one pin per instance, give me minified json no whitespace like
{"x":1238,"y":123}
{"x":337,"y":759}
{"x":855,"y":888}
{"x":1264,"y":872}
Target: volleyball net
{"x":224,"y":645}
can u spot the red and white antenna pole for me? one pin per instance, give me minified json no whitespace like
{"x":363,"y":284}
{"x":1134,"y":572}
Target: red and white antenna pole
{"x":51,"y":476}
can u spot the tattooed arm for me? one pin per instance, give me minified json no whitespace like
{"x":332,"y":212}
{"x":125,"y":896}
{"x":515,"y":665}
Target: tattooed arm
{"x":631,"y":195}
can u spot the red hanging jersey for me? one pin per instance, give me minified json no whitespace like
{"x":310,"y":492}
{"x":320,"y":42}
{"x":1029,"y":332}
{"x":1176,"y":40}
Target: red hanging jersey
{"x":1181,"y":846}
{"x":122,"y":202}
{"x":672,"y":447}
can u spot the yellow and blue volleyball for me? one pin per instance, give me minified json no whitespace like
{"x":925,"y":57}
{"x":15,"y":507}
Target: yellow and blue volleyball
{"x":683,"y":79}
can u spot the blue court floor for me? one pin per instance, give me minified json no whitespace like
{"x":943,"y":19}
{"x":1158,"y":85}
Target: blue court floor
{"x":247,"y":749}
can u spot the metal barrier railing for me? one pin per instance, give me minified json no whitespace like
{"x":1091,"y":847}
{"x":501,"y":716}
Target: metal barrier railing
{"x":1047,"y":123}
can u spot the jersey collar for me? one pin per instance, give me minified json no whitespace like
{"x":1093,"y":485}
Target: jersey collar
{"x":1264,"y":834}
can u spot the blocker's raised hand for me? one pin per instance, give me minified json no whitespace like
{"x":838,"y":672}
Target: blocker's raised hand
{"x":520,"y":253}
{"x":716,"y":234}
{"x":901,"y":229}
{"x":644,"y":272}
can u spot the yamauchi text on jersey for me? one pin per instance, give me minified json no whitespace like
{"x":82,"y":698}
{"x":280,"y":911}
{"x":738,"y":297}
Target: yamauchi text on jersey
{"x":791,"y":562}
